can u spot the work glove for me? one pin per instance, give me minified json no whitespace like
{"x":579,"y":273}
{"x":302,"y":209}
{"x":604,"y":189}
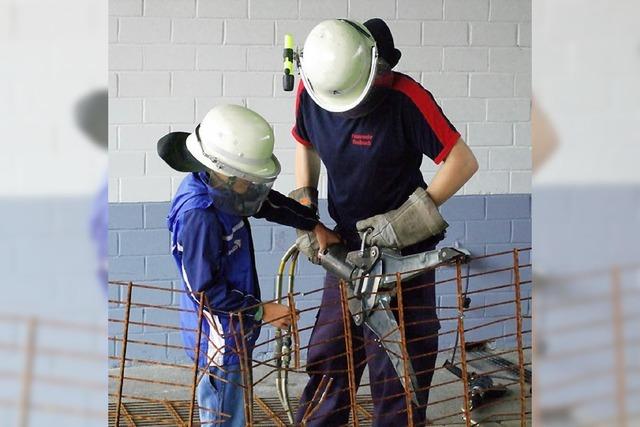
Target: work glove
{"x":415,"y":220}
{"x":306,"y":240}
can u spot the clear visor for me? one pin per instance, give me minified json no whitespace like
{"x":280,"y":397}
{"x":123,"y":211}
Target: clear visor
{"x":236,"y":195}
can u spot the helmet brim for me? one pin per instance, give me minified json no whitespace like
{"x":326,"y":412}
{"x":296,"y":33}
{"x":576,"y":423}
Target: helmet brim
{"x":172,"y":148}
{"x":262,"y":173}
{"x":347,"y":101}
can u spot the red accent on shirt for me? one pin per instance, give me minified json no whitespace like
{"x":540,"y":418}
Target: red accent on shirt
{"x":431,"y":112}
{"x":294,"y":131}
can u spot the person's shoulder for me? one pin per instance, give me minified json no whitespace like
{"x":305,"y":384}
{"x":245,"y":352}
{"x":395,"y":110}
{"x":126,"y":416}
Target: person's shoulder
{"x":303,"y":97}
{"x":200,"y":217}
{"x":407,"y":86}
{"x":301,"y":91}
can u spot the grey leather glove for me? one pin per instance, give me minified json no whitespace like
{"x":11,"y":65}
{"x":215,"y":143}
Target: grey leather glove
{"x":306,"y":240}
{"x":416,"y":220}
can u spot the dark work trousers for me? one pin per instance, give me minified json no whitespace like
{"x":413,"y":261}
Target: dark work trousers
{"x":326,"y":355}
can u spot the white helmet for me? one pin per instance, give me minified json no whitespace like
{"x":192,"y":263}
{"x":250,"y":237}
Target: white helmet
{"x":230,"y":142}
{"x":235,"y":141}
{"x":338,"y":64}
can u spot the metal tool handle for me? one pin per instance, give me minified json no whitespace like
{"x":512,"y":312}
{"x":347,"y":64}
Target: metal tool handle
{"x":334,"y":260}
{"x":364,"y":239}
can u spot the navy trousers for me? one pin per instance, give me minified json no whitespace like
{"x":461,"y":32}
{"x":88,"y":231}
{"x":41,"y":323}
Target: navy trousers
{"x":326,"y":356}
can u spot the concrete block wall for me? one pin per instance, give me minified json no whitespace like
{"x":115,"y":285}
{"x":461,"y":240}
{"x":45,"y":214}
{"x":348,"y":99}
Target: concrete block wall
{"x":172,"y":60}
{"x":139,"y":251}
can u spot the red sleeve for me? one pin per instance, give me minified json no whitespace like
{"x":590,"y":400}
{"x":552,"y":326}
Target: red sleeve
{"x":298,"y":131}
{"x":435,"y":136}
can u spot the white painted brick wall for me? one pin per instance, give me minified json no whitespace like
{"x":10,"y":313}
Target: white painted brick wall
{"x":196,"y":83}
{"x":201,"y":30}
{"x":147,"y":84}
{"x":224,"y":58}
{"x":465,"y":109}
{"x":172,"y":60}
{"x":326,"y":9}
{"x":169,"y":57}
{"x":248,"y":84}
{"x":249,"y":32}
{"x":170,"y":8}
{"x":420,"y":9}
{"x":510,"y":10}
{"x":506,"y":158}
{"x":493,"y":34}
{"x":136,"y":137}
{"x":222,"y":9}
{"x":125,"y":57}
{"x":169,"y":110}
{"x":506,"y":110}
{"x":125,"y":7}
{"x":465,"y":59}
{"x":127,"y":164}
{"x":447,"y":84}
{"x":445,"y":34}
{"x":466,"y":10}
{"x":273,"y":9}
{"x":486,"y":85}
{"x":510,"y":59}
{"x":361,"y":10}
{"x":144,"y":30}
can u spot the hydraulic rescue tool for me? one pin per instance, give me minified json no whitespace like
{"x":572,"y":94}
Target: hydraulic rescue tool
{"x":370,"y":274}
{"x":371,"y":277}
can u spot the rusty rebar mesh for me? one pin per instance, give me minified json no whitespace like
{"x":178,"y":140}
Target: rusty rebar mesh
{"x":493,"y":339}
{"x":35,"y":379}
{"x":589,"y":347}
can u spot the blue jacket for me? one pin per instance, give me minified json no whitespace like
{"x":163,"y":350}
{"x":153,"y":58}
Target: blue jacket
{"x":213,"y":251}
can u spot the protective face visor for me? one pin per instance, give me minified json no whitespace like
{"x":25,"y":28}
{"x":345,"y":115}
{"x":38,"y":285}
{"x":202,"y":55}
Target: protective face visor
{"x":234,"y":191}
{"x":237,"y":196}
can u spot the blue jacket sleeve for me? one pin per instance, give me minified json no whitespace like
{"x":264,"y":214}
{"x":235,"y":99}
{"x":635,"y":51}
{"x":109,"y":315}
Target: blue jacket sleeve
{"x":201,"y":259}
{"x":284,"y":210}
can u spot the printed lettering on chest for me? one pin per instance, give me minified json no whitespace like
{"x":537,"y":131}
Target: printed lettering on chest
{"x":361,"y":139}
{"x":237,"y":244}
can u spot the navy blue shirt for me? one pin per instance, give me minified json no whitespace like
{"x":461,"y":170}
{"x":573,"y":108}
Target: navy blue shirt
{"x":373,"y":162}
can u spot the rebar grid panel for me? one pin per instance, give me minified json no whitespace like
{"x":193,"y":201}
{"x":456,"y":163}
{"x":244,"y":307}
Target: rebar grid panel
{"x":405,"y":354}
{"x":194,"y":384}
{"x":35,"y":352}
{"x":463,"y":349}
{"x":588,"y":346}
{"x":346,"y":322}
{"x":493,"y":341}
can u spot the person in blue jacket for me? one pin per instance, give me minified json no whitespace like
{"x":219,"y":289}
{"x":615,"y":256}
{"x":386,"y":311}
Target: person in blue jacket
{"x":230,"y":157}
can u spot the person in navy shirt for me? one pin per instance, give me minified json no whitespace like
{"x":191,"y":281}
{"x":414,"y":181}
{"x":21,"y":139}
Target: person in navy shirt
{"x":371,"y":127}
{"x":232,"y":168}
